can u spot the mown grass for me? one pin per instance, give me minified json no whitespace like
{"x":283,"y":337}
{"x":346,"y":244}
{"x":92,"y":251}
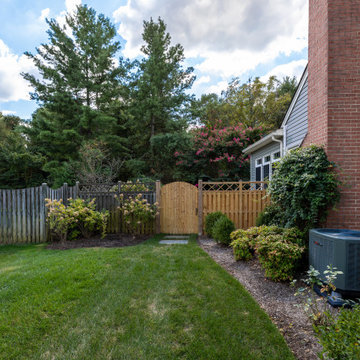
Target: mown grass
{"x":149,"y":301}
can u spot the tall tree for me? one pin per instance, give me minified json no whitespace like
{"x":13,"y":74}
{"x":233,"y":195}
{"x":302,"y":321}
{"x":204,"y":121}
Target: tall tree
{"x":79,"y":90}
{"x":253,"y":103}
{"x":159,"y":98}
{"x":20,"y":167}
{"x":257,"y":103}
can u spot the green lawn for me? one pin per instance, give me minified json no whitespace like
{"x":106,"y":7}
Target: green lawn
{"x":144,"y":302}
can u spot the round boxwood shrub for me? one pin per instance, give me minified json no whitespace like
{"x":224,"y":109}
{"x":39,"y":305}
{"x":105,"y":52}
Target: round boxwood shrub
{"x":210,"y":221}
{"x":222,"y":230}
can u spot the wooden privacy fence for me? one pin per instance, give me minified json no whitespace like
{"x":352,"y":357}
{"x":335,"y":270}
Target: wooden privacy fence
{"x":241,"y":201}
{"x":23,"y":211}
{"x":183,"y":207}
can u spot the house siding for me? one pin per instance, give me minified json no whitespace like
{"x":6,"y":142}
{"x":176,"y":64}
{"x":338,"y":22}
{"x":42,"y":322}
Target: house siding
{"x":266,"y":150}
{"x":297,"y":124}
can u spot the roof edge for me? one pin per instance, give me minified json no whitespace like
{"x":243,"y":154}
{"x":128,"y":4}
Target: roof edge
{"x":303,"y":78}
{"x":264,"y":141}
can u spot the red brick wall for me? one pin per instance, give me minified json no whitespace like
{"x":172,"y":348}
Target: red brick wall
{"x":334,"y":97}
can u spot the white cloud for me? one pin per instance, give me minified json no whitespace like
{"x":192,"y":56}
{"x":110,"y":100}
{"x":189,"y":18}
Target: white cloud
{"x":203,"y":80}
{"x":293,"y":68}
{"x":44,"y":14}
{"x":70,"y":7}
{"x":217,"y":88}
{"x":12,"y":85}
{"x":232,"y":37}
{"x":7,"y":112}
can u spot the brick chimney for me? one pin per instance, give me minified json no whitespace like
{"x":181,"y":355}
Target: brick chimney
{"x":334,"y":97}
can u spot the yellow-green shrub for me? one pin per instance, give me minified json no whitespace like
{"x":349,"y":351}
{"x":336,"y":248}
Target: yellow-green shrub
{"x":279,"y":250}
{"x":136,"y":211}
{"x":78,"y":218}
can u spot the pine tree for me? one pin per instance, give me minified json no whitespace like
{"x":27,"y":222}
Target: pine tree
{"x":78,"y":86}
{"x":159,"y":98}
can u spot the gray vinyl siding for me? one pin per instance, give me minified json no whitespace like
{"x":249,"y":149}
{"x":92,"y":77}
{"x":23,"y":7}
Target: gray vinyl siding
{"x":266,"y":150}
{"x":297,"y":124}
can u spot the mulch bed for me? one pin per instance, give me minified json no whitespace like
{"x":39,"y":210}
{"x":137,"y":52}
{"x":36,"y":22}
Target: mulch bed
{"x":111,"y":240}
{"x":276,"y":299}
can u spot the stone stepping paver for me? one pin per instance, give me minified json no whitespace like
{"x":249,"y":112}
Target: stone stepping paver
{"x":173,"y":242}
{"x":176,"y":237}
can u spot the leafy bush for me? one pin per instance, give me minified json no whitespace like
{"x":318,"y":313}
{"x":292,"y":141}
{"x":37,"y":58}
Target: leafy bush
{"x":242,"y":245}
{"x":222,"y":230}
{"x":88,"y":220}
{"x":340,"y":337}
{"x":210,"y":221}
{"x":136,"y":211}
{"x":338,"y":331}
{"x":304,"y":186}
{"x":271,"y":215}
{"x":244,"y":241}
{"x":279,"y":250}
{"x":278,"y":256}
{"x":137,"y":186}
{"x":58,"y":219}
{"x":78,"y":218}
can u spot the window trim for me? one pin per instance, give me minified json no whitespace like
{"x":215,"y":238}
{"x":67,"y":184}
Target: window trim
{"x":263,"y":162}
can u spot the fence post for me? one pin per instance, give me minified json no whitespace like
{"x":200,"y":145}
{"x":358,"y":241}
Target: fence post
{"x":200,"y":207}
{"x":65,"y":193}
{"x":158,"y":200}
{"x":44,"y":231}
{"x":241,"y":204}
{"x":76,"y":193}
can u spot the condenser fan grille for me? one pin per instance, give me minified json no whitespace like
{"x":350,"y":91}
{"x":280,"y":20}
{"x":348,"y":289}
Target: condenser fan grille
{"x":353,"y":266}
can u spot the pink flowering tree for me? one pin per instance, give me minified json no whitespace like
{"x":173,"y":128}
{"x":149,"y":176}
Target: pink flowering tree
{"x":217,"y":153}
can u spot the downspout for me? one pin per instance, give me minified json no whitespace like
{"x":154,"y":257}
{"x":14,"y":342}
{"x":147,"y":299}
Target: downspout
{"x":281,"y":145}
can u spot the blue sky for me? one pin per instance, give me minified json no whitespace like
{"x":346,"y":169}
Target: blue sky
{"x":222,"y":39}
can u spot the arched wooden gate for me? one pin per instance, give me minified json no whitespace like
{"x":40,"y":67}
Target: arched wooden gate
{"x":179,"y":208}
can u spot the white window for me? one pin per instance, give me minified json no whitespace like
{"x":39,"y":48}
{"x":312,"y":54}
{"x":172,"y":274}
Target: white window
{"x":263,"y":166}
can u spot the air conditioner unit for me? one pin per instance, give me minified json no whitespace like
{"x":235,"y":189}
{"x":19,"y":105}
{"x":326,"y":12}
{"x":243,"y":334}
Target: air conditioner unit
{"x":341,"y":249}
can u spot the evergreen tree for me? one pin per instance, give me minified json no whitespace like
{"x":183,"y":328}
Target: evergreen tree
{"x":159,"y":98}
{"x":19,"y":166}
{"x":79,"y":89}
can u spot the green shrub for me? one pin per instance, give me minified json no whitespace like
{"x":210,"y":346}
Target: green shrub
{"x":222,"y":230}
{"x":340,"y":337}
{"x":304,"y":186}
{"x":279,"y":256}
{"x":88,"y":220}
{"x":279,"y":250}
{"x":78,"y":218}
{"x":271,"y":215}
{"x":241,"y":244}
{"x":244,"y":241}
{"x":58,"y":219}
{"x":210,"y":221}
{"x":136,"y":212}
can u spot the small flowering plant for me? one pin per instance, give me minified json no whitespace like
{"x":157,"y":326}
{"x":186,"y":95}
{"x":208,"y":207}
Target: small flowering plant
{"x":58,"y":219}
{"x":78,"y":218}
{"x":88,"y":220}
{"x":136,"y":211}
{"x":137,"y":186}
